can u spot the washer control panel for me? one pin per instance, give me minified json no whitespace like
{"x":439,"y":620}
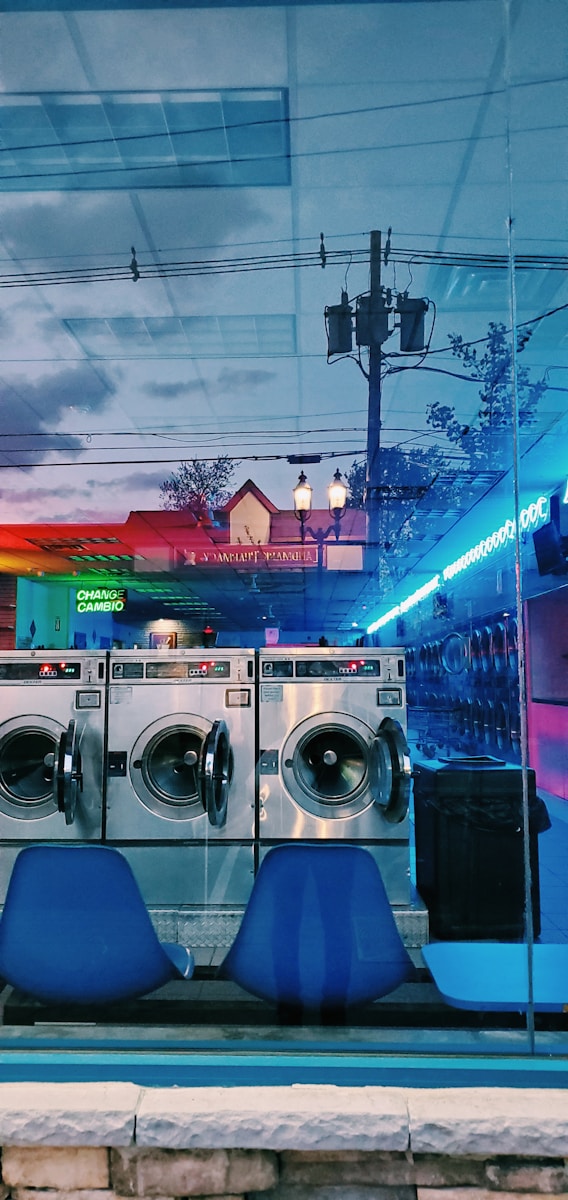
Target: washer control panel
{"x":172,"y":669}
{"x":38,"y":671}
{"x":388,"y":668}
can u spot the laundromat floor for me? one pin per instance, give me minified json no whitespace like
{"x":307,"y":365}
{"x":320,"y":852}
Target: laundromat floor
{"x":205,"y":1009}
{"x":200,"y":1004}
{"x":204,"y":1001}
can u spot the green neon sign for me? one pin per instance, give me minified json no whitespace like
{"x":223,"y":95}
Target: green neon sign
{"x":100,"y":600}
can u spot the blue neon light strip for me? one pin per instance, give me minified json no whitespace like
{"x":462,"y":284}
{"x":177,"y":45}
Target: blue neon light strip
{"x":530,"y":518}
{"x":415,"y":598}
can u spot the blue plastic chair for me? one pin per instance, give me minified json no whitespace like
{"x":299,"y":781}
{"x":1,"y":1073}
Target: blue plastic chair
{"x":75,"y":929}
{"x":318,"y":933}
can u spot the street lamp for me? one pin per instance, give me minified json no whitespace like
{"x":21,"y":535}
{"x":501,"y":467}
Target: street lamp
{"x":337,"y":493}
{"x":302,"y":501}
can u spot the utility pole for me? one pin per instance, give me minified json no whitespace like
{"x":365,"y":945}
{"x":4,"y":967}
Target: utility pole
{"x":376,"y":303}
{"x":375,"y":321}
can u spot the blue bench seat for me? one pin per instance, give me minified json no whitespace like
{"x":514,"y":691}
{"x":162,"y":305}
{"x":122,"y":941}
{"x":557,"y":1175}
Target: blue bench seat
{"x":493,"y":976}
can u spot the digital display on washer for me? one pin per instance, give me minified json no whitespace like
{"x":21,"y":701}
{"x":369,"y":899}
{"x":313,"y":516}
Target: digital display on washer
{"x":128,"y":670}
{"x":282,"y":668}
{"x":181,"y":669}
{"x":16,"y":672}
{"x":317,"y":668}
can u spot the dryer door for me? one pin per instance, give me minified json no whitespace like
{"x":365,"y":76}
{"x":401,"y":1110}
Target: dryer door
{"x":513,"y":646}
{"x":389,"y":768}
{"x":454,"y":653}
{"x":69,"y":776}
{"x":499,"y":648}
{"x":215,"y":774}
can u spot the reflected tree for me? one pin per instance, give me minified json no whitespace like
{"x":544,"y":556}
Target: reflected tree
{"x":419,"y":484}
{"x":199,"y":485}
{"x":406,"y":479}
{"x":486,"y":443}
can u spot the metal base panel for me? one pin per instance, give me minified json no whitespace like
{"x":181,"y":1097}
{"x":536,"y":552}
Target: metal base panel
{"x":211,"y":928}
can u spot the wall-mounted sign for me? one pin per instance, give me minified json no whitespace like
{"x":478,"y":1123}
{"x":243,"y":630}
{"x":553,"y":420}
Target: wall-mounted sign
{"x":163,"y":641}
{"x":100,"y":600}
{"x":241,"y":557}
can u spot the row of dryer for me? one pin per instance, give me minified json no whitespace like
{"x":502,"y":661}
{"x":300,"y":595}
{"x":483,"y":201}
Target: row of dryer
{"x":194,"y":762}
{"x":488,"y":652}
{"x":463,"y":691}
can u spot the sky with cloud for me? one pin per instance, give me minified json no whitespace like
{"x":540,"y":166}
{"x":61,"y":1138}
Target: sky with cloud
{"x":393,"y":115}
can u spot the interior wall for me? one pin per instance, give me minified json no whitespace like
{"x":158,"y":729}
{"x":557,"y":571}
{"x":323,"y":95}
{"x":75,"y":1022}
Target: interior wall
{"x":42,"y":615}
{"x":547,"y":680}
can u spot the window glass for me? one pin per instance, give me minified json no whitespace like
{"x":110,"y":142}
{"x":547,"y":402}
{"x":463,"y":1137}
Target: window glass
{"x":537,"y":171}
{"x":252,"y":252}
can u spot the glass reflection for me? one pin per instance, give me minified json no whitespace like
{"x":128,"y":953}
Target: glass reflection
{"x":364,"y":202}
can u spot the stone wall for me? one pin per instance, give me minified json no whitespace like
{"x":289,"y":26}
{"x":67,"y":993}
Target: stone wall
{"x":312,"y":1142}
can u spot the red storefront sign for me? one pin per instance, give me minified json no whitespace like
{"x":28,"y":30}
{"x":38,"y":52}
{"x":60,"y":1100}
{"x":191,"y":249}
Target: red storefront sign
{"x":287,"y":557}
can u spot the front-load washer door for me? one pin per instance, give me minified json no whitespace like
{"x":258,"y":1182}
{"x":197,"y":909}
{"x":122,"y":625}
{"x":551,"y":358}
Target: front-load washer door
{"x":29,"y":752}
{"x":215,"y":774}
{"x":325,"y":766}
{"x":69,"y":776}
{"x":165,"y":765}
{"x":390,"y":771}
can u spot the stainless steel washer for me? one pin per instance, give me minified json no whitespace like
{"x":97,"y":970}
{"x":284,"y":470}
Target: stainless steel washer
{"x":51,"y":748}
{"x":180,"y":796}
{"x":333,"y":759}
{"x":51,"y":745}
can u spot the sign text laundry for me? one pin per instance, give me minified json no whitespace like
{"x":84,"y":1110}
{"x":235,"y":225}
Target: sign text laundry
{"x":252,"y":556}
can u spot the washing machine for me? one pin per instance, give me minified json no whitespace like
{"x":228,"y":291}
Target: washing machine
{"x":51,"y":749}
{"x":180,"y":775}
{"x":333,"y":757}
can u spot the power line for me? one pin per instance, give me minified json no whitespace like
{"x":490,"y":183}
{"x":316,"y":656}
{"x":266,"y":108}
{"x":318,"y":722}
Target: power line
{"x":276,"y":262}
{"x":172,"y":134}
{"x":212,"y":433}
{"x":282,"y":241}
{"x":287,"y":120}
{"x":71,"y":172}
{"x":134,"y":462}
{"x":84,"y":451}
